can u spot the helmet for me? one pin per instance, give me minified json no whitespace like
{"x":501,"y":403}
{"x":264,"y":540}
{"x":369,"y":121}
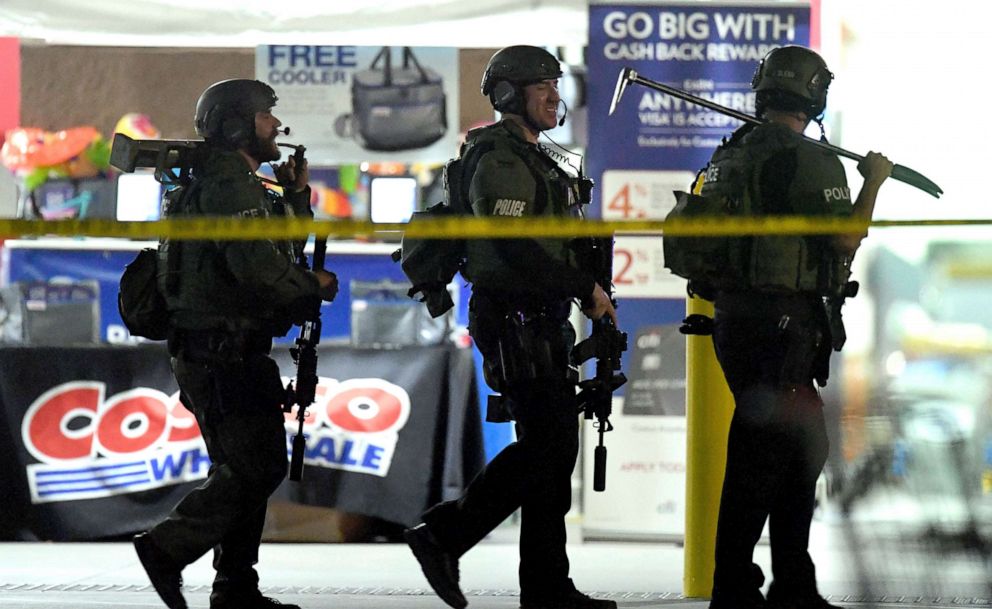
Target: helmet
{"x":512,"y":68}
{"x":225,"y":112}
{"x":792,"y":78}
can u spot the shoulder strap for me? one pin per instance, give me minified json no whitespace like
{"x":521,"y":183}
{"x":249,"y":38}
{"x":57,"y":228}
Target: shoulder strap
{"x":172,"y":250}
{"x":458,"y":173}
{"x":180,"y":204}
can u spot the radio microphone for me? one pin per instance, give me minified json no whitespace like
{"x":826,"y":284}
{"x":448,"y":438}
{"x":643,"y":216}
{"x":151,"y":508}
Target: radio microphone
{"x":283,"y":131}
{"x":563,"y":114}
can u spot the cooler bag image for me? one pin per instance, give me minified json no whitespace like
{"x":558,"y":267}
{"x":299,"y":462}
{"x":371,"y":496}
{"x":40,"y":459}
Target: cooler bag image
{"x":397,"y":109}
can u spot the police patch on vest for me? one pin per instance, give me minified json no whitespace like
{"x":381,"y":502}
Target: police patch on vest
{"x":509,"y":207}
{"x":837,"y":193}
{"x":712,"y":173}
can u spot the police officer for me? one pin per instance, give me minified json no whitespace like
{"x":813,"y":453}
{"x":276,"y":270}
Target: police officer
{"x":772,"y":331}
{"x":522,"y":290}
{"x":226,"y":301}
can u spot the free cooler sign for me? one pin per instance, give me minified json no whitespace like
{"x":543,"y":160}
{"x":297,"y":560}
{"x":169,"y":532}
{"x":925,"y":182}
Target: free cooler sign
{"x":90,"y":445}
{"x":350,"y":104}
{"x":654,"y":143}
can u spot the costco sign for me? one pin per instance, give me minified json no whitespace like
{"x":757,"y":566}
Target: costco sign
{"x":89,"y":445}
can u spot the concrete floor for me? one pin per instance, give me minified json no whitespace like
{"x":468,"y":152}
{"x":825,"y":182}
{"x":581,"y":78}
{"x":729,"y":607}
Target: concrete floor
{"x":385,"y":576}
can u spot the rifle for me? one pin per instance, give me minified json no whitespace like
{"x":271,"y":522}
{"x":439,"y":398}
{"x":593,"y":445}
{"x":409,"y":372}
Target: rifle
{"x":304,"y":353}
{"x":899,"y":172}
{"x":606,"y":344}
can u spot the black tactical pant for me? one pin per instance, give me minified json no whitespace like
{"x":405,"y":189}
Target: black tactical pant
{"x":533,"y":473}
{"x":776,"y":449}
{"x":232,"y":393}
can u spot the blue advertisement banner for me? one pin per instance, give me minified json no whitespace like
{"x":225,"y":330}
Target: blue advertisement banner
{"x":654,"y":143}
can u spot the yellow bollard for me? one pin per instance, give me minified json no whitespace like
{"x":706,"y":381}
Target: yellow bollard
{"x":709,"y":408}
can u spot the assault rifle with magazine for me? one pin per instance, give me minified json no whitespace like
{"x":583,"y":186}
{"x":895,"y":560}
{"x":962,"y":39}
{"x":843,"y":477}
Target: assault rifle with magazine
{"x":607,"y":344}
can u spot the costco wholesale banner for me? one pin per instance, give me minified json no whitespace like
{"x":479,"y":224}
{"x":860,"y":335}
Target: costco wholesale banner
{"x":349,"y":104}
{"x":652,"y":145}
{"x":97,"y":444}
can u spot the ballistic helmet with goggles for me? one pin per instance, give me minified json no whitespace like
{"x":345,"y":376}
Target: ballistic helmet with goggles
{"x":511,"y":69}
{"x":225,"y":112}
{"x":794,"y":79}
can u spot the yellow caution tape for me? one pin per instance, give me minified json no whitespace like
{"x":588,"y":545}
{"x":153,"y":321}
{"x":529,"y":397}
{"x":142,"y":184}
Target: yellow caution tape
{"x":225,"y":228}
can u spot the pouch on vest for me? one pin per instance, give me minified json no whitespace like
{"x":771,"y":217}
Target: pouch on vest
{"x":139,"y":302}
{"x":709,"y":260}
{"x":431,"y":264}
{"x":804,"y":342}
{"x":525,"y":351}
{"x":498,"y":409}
{"x":396,"y":108}
{"x":782,"y":262}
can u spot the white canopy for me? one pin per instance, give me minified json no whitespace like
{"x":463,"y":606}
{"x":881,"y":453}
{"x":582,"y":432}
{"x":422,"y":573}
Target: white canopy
{"x":247,"y":23}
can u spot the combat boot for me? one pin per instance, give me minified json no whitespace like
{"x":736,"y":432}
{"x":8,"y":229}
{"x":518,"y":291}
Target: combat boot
{"x":440,"y":567}
{"x":745,"y":597}
{"x":569,"y":599}
{"x":253,"y":600}
{"x":751,"y":602}
{"x":780,"y":598}
{"x":163,"y":572}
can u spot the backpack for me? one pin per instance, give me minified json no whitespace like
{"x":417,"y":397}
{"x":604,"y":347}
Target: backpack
{"x":139,"y":302}
{"x":431,"y":264}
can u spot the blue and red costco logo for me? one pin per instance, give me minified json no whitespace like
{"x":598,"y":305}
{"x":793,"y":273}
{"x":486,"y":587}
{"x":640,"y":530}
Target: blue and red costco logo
{"x":88,"y":445}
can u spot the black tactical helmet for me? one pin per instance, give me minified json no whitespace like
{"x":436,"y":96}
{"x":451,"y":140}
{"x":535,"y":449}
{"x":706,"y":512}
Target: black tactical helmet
{"x":225,"y":112}
{"x":792,"y":78}
{"x":512,"y":68}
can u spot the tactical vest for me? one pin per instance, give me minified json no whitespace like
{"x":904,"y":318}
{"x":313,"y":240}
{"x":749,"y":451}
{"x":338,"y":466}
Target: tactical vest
{"x":193,"y":276}
{"x":556,"y":194}
{"x":431,"y":264}
{"x":730,"y":186}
